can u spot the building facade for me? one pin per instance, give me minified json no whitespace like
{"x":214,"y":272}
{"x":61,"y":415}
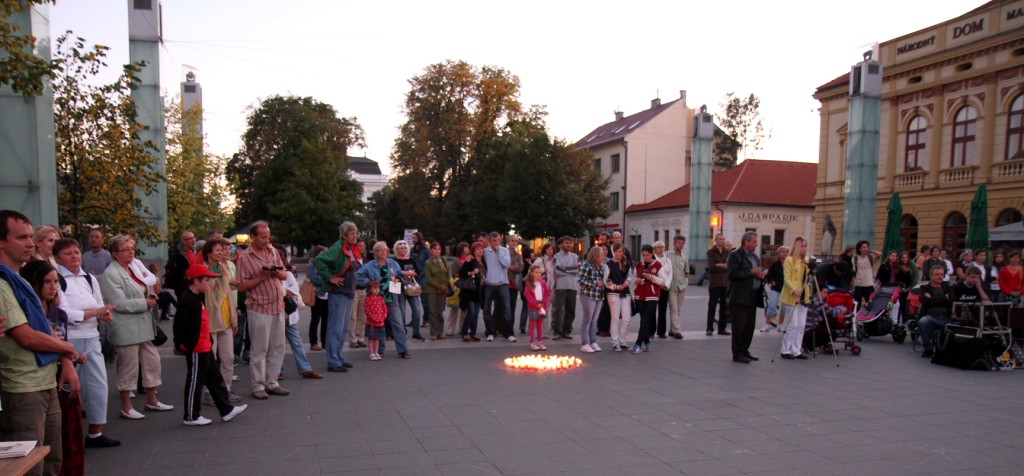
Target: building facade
{"x":952,"y":119}
{"x":367,"y":172}
{"x":644,"y":155}
{"x":744,"y":198}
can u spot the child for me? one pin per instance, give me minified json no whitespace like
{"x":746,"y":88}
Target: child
{"x":376,"y":316}
{"x":537,"y":295}
{"x":192,"y":336}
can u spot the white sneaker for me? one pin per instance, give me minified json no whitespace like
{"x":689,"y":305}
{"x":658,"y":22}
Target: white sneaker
{"x":596,"y":347}
{"x":766,"y":328}
{"x":586,"y":348}
{"x":534,"y":347}
{"x":542,"y":346}
{"x":490,"y":338}
{"x":617,"y":348}
{"x":511,"y":338}
{"x":198,"y":421}
{"x":378,"y":357}
{"x":234,"y":412}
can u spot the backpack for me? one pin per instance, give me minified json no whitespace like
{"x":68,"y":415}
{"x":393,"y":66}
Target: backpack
{"x":64,"y":283}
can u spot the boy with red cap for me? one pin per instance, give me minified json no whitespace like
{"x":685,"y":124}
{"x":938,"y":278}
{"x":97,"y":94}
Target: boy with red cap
{"x":192,"y":336}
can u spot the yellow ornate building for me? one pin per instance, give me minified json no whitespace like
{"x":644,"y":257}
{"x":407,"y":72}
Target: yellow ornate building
{"x":952,"y":119}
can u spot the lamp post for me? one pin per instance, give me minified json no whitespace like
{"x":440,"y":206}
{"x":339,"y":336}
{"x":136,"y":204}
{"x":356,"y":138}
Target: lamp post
{"x":861,"y":185}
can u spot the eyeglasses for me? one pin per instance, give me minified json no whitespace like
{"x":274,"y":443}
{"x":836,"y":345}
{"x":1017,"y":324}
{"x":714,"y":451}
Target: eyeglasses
{"x":126,"y":249}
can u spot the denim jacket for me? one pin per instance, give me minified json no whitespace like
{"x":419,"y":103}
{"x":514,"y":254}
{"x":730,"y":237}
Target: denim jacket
{"x":371,"y":272}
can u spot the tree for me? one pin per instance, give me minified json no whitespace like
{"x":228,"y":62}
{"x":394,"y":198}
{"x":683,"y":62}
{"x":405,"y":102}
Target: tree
{"x":196,"y":191}
{"x":22,"y":70}
{"x":742,"y":124}
{"x":102,"y":165}
{"x":293,"y":170}
{"x":454,"y":112}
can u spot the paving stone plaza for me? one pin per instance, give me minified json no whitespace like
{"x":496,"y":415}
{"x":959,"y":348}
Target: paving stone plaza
{"x":684,"y":408}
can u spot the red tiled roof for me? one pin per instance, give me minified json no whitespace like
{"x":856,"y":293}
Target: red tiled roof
{"x":618,"y":129}
{"x":761,"y":182}
{"x":842,"y":80}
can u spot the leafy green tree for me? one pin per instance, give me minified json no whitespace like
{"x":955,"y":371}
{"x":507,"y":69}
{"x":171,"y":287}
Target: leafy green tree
{"x":19,"y":67}
{"x":196,"y":191}
{"x":102,"y":165}
{"x":743,"y":127}
{"x":293,"y":170}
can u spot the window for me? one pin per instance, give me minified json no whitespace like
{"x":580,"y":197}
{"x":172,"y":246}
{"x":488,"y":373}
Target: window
{"x":634,"y":246}
{"x":667,"y":238}
{"x":780,"y":238}
{"x":908,"y":233}
{"x":963,"y":137}
{"x":954,"y":234}
{"x":597,"y":165}
{"x":1015,"y":130}
{"x":656,"y":236}
{"x":615,"y":201}
{"x":615,"y":163}
{"x":1008,"y":216}
{"x":915,"y":144}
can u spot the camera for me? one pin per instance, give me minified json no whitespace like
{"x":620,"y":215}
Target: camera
{"x":812,"y":264}
{"x":273,"y":268}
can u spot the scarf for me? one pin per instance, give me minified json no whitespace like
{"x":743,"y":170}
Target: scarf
{"x":220,"y":284}
{"x":33,"y":309}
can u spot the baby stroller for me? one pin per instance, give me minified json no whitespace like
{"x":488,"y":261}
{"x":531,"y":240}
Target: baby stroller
{"x":881,"y":315}
{"x":838,"y":310}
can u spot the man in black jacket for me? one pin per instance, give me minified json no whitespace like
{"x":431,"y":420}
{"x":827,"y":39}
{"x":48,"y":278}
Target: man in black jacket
{"x":745,"y":278}
{"x":936,"y":307}
{"x":181,"y":257}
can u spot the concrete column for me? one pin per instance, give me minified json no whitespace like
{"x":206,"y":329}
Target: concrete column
{"x":986,"y":149}
{"x":934,"y":137}
{"x":861,"y":169}
{"x":28,"y":183}
{"x":700,"y":186}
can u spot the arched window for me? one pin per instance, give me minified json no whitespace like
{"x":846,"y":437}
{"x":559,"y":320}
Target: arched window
{"x":908,"y":233}
{"x":954,"y":234}
{"x":1008,"y":216}
{"x":963,"y":137}
{"x":1015,"y":130}
{"x":915,"y":144}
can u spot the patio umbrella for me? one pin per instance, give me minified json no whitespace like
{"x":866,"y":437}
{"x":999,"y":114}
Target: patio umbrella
{"x":977,"y":225}
{"x":891,"y":241}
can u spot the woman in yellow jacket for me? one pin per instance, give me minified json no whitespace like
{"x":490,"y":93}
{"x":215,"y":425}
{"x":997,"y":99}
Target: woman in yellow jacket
{"x":795,"y":298}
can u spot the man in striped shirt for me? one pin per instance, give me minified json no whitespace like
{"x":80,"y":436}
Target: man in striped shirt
{"x":260,"y":272}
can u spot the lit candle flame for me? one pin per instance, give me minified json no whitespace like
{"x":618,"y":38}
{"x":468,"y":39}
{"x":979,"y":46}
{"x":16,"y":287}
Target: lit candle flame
{"x":542,"y":362}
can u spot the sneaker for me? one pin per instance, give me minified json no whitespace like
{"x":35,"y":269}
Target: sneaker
{"x":490,"y":338}
{"x":636,"y":349}
{"x":234,"y":412}
{"x":617,"y":348}
{"x":542,"y":346}
{"x":766,"y":328}
{"x":208,"y":400}
{"x":586,"y":349}
{"x":511,"y":338}
{"x":418,"y":338}
{"x":534,"y":346}
{"x":198,"y":421}
{"x":647,"y":347}
{"x":101,"y":441}
{"x":233,"y":397}
{"x":596,"y":347}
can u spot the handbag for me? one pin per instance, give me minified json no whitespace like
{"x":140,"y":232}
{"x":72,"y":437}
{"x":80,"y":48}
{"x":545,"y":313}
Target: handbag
{"x":307,"y":291}
{"x":467,"y":283}
{"x":412,"y":289}
{"x":290,"y":305}
{"x":159,"y":336}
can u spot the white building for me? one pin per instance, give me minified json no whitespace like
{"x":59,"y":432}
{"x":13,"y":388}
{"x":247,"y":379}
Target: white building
{"x":368,"y":173}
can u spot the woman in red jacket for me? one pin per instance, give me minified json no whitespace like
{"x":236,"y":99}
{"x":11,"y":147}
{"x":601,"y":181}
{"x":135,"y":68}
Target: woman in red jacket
{"x":1011,"y":279}
{"x":648,"y":291}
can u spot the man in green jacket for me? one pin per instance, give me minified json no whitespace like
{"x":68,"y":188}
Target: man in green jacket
{"x":337,"y":268}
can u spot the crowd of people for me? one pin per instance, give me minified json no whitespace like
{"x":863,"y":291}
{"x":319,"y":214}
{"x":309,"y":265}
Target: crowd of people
{"x":232,"y":305}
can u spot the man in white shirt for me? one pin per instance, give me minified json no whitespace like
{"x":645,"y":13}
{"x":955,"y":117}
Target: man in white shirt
{"x":80,"y":298}
{"x":677,"y":288}
{"x":497,"y":261}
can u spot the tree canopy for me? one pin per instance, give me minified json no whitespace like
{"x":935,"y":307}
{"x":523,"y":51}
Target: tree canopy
{"x":19,"y":66}
{"x":740,"y":120}
{"x":292,"y":170}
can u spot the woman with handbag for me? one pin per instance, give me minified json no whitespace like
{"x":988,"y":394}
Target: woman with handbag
{"x":132,"y":329}
{"x":386,"y":271}
{"x":436,"y":289}
{"x":411,"y":290}
{"x":469,"y":284}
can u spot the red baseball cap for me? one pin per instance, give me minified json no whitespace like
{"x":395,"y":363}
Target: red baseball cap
{"x":198,"y":270}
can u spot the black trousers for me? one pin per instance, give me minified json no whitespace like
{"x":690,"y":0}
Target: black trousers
{"x":744,"y":319}
{"x":204,"y":370}
{"x":648,"y":312}
{"x":716,"y":297}
{"x":604,"y":319}
{"x":318,"y":322}
{"x":660,"y":326}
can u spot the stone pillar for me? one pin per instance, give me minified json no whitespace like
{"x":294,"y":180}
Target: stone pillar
{"x":700,"y":187}
{"x":987,"y":155}
{"x":861,"y":186}
{"x":28,"y":183}
{"x":144,"y":37}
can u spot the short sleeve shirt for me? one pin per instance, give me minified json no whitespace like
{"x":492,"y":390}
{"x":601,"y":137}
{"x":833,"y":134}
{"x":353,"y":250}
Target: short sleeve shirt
{"x":18,"y":370}
{"x":266,"y":297}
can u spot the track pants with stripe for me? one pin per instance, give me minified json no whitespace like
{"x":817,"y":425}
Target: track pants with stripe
{"x":203,"y":370}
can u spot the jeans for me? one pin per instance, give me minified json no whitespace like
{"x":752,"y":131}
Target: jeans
{"x":792,"y":341}
{"x":397,"y":328}
{"x":523,"y":315}
{"x":339,"y":315}
{"x":716,"y":296}
{"x":773,"y":305}
{"x":164,"y":301}
{"x":512,"y":299}
{"x":291,"y":332}
{"x":499,"y":296}
{"x":563,"y":312}
{"x":622,"y":312}
{"x":472,"y":316}
{"x":93,"y":377}
{"x":417,"y":311}
{"x":927,"y":324}
{"x":588,"y":327}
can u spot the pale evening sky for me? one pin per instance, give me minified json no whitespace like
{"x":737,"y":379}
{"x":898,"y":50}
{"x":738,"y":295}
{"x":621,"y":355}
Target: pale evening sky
{"x":583,"y":60}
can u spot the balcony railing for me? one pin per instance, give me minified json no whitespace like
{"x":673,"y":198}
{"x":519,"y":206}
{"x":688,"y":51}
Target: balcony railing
{"x":957,"y":176}
{"x":911,"y":180}
{"x":1008,"y":170}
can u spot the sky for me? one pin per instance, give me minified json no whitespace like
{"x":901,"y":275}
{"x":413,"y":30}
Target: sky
{"x":582,"y":60}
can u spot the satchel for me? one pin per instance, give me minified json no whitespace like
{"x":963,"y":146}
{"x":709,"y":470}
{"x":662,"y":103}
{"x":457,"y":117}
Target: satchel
{"x":160,"y":336}
{"x":467,"y":283}
{"x":412,"y":289}
{"x":290,"y":305}
{"x":307,"y":292}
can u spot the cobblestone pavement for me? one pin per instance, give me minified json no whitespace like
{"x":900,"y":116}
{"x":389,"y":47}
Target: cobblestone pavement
{"x":683,"y":408}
